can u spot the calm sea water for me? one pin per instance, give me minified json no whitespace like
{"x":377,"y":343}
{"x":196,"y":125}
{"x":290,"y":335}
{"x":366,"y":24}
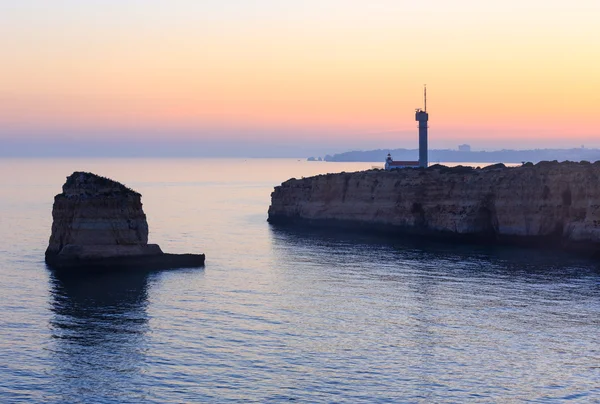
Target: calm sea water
{"x":280,"y":314}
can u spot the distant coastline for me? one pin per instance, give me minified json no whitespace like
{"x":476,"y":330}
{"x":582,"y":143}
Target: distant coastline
{"x":456,"y":156}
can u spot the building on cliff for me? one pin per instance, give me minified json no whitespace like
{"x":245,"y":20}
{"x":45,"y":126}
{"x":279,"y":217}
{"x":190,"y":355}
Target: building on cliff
{"x":390,"y":164}
{"x":422,"y":117}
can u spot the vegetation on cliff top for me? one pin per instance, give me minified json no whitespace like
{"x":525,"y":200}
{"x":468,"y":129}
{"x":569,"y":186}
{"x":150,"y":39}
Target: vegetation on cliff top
{"x":90,"y":181}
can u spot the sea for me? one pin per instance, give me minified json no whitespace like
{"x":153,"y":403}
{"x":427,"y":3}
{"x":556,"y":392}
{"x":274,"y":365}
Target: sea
{"x":282,"y":314}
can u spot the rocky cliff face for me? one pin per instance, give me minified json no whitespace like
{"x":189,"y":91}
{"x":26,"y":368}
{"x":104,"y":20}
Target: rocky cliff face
{"x":93,"y":211}
{"x":550,"y":202}
{"x":96,"y":219}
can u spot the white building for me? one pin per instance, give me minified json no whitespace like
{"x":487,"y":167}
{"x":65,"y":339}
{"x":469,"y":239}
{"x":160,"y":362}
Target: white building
{"x":390,"y":164}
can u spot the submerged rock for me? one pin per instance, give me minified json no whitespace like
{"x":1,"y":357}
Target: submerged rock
{"x":549,"y":204}
{"x":100,"y":223}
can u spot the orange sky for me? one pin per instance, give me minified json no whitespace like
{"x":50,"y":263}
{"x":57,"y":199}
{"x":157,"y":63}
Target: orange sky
{"x":524,"y":72}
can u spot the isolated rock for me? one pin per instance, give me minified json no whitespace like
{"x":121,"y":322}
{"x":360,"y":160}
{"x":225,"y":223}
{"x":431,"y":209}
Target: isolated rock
{"x":550,"y":203}
{"x":98,"y":222}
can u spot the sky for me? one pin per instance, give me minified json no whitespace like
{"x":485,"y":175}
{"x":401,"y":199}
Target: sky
{"x":297,"y":77}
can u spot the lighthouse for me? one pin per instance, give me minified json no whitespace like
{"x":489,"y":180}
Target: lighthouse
{"x":422,"y":117}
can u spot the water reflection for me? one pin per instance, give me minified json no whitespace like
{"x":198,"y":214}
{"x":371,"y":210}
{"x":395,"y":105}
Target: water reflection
{"x":344,"y":246}
{"x":438,"y":313}
{"x":99,"y":329}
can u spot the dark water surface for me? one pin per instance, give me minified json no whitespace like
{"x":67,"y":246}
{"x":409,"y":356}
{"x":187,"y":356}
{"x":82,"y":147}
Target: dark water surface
{"x":281,"y":314}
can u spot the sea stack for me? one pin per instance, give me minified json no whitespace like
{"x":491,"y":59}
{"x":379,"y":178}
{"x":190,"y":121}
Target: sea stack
{"x":99,"y":223}
{"x":548,"y":204}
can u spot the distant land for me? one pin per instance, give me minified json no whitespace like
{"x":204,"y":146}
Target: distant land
{"x":456,"y":156}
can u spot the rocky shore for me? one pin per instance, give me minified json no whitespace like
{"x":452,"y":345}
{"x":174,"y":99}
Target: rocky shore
{"x":99,"y":223}
{"x":548,"y":204}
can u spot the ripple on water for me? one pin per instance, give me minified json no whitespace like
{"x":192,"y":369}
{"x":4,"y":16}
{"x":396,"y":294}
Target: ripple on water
{"x":284,"y":315}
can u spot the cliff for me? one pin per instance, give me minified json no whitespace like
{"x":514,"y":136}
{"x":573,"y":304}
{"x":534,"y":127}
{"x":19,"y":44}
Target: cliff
{"x":98,"y":222}
{"x":550,"y":203}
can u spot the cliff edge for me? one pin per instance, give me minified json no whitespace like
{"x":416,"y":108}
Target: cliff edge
{"x":98,"y":222}
{"x":549,"y":203}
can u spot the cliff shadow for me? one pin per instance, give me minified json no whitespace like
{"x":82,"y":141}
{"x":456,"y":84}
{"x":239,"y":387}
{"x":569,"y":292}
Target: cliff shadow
{"x":356,"y":244}
{"x":99,"y":328}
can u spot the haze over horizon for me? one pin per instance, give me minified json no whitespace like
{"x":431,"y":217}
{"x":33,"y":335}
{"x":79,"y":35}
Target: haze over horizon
{"x":268,"y":78}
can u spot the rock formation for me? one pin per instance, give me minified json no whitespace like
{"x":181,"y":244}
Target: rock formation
{"x":98,"y":222}
{"x":550,"y":203}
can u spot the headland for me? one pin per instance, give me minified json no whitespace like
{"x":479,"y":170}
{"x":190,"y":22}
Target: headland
{"x":548,"y":204}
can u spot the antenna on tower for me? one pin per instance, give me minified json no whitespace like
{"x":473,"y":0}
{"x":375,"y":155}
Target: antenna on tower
{"x":425,"y":96}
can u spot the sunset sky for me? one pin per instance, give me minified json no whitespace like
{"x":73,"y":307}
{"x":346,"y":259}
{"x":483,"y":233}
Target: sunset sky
{"x":338,"y":74}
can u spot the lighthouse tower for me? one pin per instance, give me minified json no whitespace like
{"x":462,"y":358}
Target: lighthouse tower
{"x":422,"y":117}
